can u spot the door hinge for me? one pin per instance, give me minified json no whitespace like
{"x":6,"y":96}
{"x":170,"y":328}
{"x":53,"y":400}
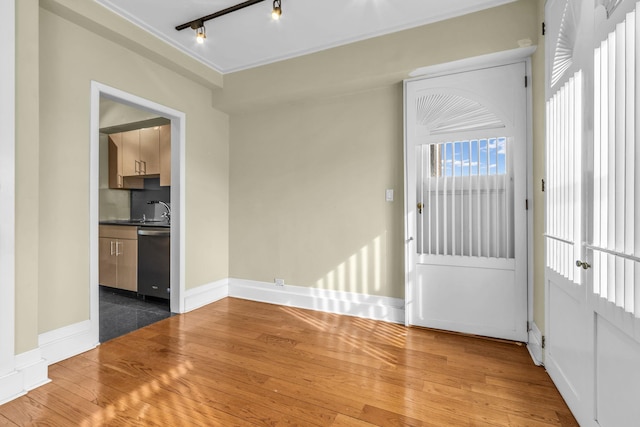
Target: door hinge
{"x":544,"y":28}
{"x":528,"y":326}
{"x":544,"y":342}
{"x":526,"y":204}
{"x":526,"y":81}
{"x":543,"y":185}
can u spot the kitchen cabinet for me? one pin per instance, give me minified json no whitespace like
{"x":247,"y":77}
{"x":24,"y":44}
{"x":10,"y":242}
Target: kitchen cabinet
{"x":165,"y":155}
{"x":116,"y":173}
{"x":138,"y":154}
{"x":118,"y":257}
{"x":141,"y":152}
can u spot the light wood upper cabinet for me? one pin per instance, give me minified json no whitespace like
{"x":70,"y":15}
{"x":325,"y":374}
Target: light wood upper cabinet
{"x":118,"y":256}
{"x":165,"y":155}
{"x":117,"y":178}
{"x":138,"y":154}
{"x":115,"y":161}
{"x":150,"y":151}
{"x":131,"y":153}
{"x":141,"y":152}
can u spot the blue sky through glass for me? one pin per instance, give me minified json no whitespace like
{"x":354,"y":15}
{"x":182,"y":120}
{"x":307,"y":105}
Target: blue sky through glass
{"x":474,"y":157}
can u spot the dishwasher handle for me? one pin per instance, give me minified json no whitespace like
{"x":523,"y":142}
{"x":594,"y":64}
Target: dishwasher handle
{"x":156,"y":232}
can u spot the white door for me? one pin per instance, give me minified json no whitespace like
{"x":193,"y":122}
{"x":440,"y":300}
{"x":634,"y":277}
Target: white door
{"x":567,"y":328}
{"x":466,"y":202}
{"x":592,"y":238}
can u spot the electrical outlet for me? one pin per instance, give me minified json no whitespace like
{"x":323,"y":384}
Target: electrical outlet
{"x":279,"y":282}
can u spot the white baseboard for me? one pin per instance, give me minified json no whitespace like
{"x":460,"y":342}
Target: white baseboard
{"x":535,"y":345}
{"x":352,"y":304}
{"x":11,"y":386}
{"x":30,"y":372}
{"x":205,"y":294}
{"x":66,"y":342}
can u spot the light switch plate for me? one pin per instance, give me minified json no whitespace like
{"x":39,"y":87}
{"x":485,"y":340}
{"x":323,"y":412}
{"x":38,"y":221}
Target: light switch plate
{"x":388,"y":195}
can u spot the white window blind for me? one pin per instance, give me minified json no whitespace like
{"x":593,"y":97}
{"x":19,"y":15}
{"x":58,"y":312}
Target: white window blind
{"x":564,"y":178}
{"x":465,"y":198}
{"x":616,"y":201}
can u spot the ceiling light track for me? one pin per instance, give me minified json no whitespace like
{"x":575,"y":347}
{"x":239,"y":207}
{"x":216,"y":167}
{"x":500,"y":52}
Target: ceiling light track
{"x":197,"y":23}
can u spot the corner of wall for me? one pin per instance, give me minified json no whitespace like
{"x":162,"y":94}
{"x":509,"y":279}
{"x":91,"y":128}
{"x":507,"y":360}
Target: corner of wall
{"x":206,"y":294}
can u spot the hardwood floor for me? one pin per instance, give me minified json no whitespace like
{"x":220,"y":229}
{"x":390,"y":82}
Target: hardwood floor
{"x":242,"y":363}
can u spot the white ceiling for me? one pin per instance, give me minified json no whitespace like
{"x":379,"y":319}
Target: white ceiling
{"x":249,"y":37}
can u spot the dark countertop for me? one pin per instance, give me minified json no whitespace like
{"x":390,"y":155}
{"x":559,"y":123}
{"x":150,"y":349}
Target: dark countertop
{"x":137,"y":223}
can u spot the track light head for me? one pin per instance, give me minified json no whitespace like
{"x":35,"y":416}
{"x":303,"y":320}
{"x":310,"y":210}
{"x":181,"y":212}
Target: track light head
{"x":201,"y":34}
{"x":277,"y":9}
{"x":201,"y":31}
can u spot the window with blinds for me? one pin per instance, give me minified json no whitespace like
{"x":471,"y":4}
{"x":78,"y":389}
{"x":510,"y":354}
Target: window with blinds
{"x":616,"y":192}
{"x":465,"y":198}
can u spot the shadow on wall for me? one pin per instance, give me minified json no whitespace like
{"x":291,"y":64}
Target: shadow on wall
{"x":363,"y":272}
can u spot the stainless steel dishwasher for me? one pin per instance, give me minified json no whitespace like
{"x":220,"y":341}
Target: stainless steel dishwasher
{"x":154,"y":262}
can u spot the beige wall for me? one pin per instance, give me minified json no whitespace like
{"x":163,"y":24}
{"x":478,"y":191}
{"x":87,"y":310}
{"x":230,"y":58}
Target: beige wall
{"x":316,"y":140}
{"x":70,"y":57}
{"x":307,"y":193}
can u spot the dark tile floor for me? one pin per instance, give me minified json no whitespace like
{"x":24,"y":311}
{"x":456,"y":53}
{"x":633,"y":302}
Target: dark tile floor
{"x":122,"y":312}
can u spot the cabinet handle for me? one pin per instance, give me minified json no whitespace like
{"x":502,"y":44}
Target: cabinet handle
{"x":118,"y":253}
{"x":111,"y":248}
{"x":137,"y":167}
{"x":144,"y":169}
{"x":120,"y":181}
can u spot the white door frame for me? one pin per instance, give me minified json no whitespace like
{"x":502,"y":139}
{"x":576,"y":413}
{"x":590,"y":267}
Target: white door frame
{"x":7,"y":188}
{"x":464,"y":65}
{"x":178,"y":124}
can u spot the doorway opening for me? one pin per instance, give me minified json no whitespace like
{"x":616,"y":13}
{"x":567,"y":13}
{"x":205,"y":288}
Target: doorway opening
{"x":135,"y":210}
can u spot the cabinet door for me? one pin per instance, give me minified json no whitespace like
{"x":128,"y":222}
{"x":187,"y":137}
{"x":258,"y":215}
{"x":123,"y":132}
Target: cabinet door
{"x":150,"y":151}
{"x":131,"y":153}
{"x":116,"y":180}
{"x":127,"y":254}
{"x":107,"y":257}
{"x":165,"y":155}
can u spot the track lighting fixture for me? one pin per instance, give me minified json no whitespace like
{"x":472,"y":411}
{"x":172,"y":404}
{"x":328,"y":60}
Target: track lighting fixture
{"x":198,"y":24}
{"x":201,"y":31}
{"x":201,"y":34}
{"x":277,"y":9}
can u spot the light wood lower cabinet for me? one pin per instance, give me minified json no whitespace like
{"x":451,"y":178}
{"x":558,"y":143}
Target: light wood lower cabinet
{"x":118,"y":256}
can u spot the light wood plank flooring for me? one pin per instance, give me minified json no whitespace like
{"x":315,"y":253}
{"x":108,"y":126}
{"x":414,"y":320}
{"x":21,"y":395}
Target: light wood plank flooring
{"x":242,"y":363}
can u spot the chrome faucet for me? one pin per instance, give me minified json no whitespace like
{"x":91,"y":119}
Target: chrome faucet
{"x":166,"y":214}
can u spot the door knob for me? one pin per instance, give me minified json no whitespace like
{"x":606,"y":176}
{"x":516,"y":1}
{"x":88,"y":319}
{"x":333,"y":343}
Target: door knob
{"x":583,"y":264}
{"x":419,"y":206}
